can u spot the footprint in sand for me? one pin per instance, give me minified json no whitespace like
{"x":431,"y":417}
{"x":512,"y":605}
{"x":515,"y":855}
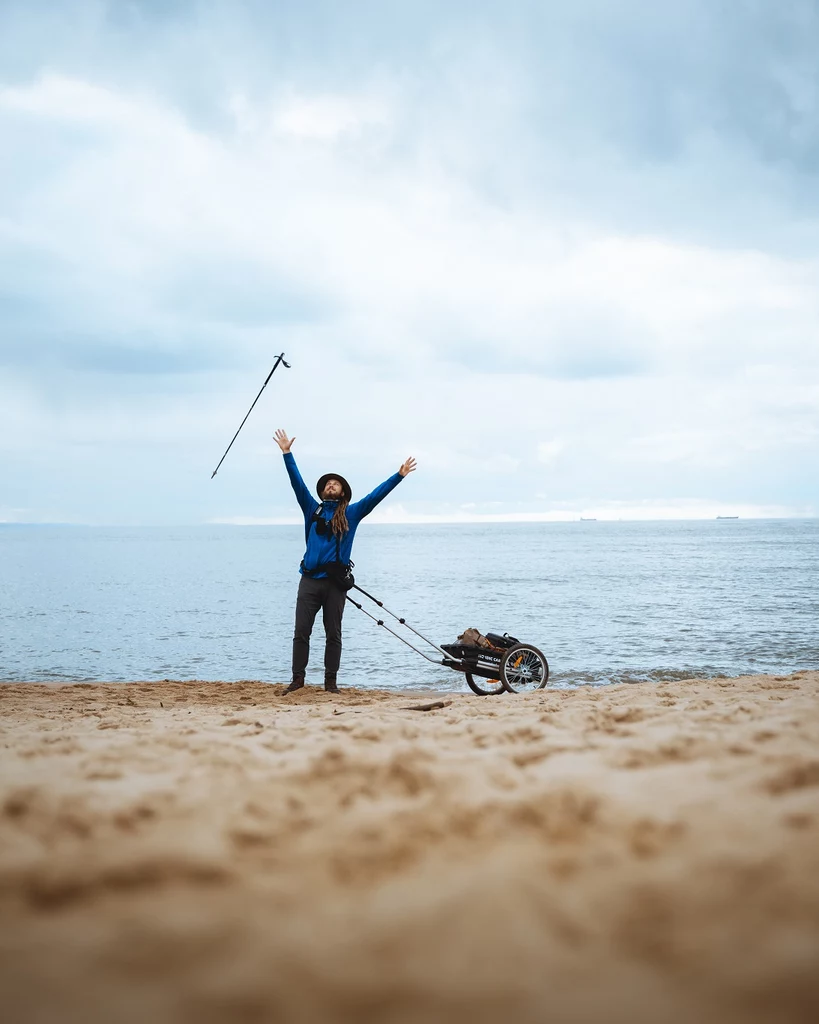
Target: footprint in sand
{"x":798,"y":776}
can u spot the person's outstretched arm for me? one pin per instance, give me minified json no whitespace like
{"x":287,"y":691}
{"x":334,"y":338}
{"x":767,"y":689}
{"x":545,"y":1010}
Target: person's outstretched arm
{"x":362,"y":508}
{"x":303,"y":496}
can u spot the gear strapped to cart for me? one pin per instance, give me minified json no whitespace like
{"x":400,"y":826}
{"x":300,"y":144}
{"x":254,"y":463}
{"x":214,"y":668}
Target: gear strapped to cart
{"x":503,"y":661}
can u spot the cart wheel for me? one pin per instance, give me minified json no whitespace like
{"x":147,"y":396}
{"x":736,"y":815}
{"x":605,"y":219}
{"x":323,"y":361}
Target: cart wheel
{"x":524,"y":669}
{"x":486,"y":687}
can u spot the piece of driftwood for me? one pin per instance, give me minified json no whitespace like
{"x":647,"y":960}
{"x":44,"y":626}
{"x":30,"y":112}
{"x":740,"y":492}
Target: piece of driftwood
{"x":428,"y":707}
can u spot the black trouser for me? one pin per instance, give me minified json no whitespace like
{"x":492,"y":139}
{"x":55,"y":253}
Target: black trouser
{"x":315,"y":594}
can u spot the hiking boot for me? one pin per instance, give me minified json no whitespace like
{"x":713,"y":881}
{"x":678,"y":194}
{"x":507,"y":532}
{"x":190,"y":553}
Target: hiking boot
{"x":330,"y":684}
{"x":298,"y":682}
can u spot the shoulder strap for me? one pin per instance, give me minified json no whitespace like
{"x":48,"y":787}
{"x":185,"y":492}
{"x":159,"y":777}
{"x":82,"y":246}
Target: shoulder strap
{"x":309,"y":522}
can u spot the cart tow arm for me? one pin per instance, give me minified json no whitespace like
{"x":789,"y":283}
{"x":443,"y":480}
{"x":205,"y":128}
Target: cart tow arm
{"x":449,"y":661}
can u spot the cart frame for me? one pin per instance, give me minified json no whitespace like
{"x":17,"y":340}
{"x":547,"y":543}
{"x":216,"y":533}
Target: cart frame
{"x":486,"y":663}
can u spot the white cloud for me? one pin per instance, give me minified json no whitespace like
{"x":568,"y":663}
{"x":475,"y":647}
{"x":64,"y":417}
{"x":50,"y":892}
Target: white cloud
{"x":61,"y":97}
{"x":427,"y":304}
{"x":328,"y":117}
{"x":548,"y":451}
{"x":389,"y":244}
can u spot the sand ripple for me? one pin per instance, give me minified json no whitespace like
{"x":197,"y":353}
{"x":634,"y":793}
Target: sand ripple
{"x":213,"y":852}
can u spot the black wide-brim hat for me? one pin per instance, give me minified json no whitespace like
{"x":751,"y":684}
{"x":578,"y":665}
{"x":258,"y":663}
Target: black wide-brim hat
{"x":345,"y":487}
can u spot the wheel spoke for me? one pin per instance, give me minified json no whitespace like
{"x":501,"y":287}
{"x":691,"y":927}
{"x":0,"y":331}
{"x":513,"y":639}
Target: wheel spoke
{"x":525,"y":671}
{"x":484,"y":687}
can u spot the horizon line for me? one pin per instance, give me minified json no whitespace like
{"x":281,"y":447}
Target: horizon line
{"x":489,"y":519}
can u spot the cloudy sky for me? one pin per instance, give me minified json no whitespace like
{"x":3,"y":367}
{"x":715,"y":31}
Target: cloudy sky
{"x":565,"y":253}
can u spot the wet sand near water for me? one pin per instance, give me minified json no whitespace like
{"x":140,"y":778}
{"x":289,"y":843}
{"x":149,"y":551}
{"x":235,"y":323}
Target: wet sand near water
{"x":222,"y":852}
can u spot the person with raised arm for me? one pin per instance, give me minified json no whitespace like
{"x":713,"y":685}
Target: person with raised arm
{"x":329,"y":528}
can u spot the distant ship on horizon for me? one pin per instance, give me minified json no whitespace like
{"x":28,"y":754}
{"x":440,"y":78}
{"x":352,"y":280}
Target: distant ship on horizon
{"x":589,"y":519}
{"x":727,"y":517}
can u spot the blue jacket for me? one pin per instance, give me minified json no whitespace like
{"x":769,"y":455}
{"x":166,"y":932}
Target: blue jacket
{"x":322,"y":549}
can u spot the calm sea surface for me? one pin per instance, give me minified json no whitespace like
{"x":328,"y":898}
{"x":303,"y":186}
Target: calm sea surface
{"x":605,"y":602}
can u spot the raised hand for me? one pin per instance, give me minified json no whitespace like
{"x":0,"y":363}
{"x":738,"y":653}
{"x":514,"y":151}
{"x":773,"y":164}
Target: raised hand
{"x":283,"y":441}
{"x":408,"y":467}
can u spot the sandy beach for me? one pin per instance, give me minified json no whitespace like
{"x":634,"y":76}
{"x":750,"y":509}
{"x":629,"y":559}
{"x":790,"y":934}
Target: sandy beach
{"x":223,"y":852}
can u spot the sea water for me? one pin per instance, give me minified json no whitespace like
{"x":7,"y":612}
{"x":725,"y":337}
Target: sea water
{"x":605,"y":601}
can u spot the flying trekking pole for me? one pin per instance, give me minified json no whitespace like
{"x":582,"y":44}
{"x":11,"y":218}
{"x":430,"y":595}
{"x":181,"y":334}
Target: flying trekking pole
{"x":279,"y":359}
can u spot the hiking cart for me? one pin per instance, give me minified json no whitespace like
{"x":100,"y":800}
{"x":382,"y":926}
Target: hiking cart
{"x":505,"y":664}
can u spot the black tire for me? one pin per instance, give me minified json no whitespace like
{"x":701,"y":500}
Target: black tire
{"x":483,"y":688}
{"x":524,"y":669}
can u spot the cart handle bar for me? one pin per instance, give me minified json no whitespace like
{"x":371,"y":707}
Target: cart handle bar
{"x":448,"y":658}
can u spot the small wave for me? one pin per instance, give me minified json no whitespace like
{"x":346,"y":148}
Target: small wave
{"x":614,"y":677}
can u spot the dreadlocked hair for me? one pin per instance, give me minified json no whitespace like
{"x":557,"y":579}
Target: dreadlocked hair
{"x":338,"y":523}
